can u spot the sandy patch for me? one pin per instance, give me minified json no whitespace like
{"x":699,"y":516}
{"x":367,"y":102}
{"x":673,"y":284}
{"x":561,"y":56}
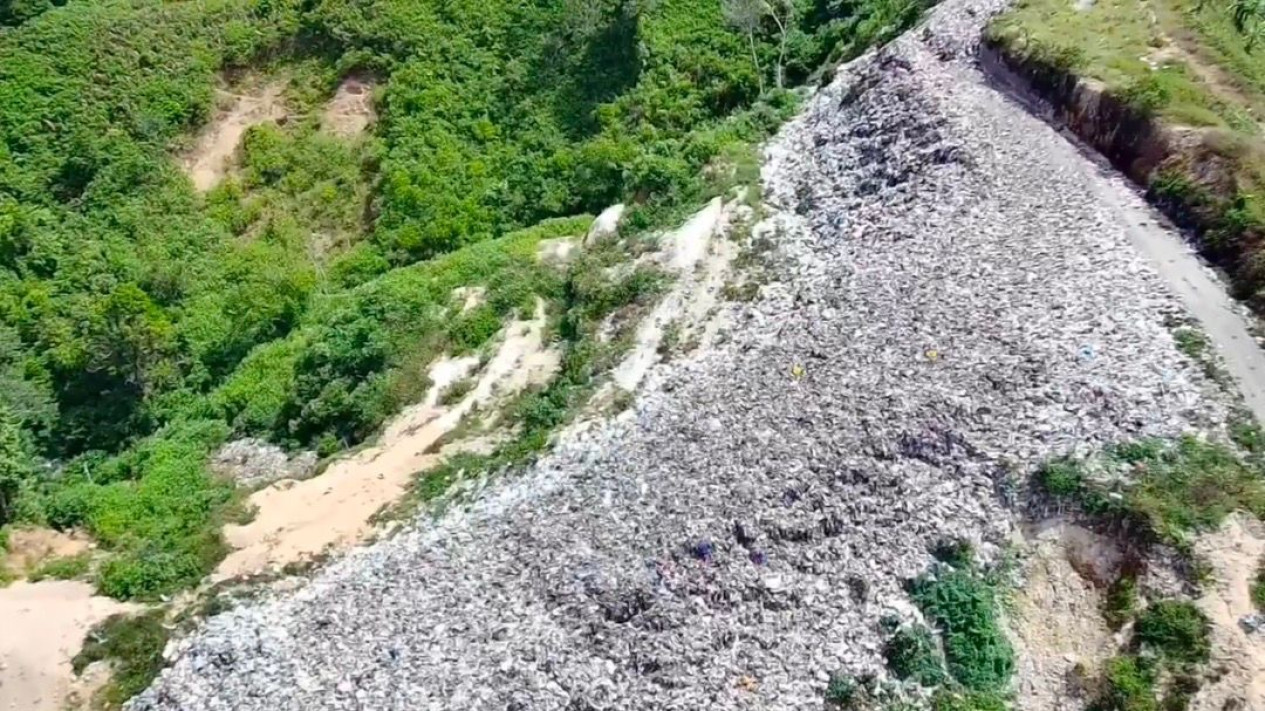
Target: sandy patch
{"x":44,"y":625}
{"x":699,"y":262}
{"x":211,"y":157}
{"x":28,"y":547}
{"x":469,"y":296}
{"x":558,"y":250}
{"x":1055,"y":622}
{"x":299,"y":519}
{"x":350,"y":112}
{"x":1237,"y":656}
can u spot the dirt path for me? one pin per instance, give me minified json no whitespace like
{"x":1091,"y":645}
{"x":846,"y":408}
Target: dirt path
{"x":698,"y":258}
{"x":42,"y":626}
{"x":208,"y":162}
{"x":1202,"y":293}
{"x":296,"y":520}
{"x":1200,"y":290}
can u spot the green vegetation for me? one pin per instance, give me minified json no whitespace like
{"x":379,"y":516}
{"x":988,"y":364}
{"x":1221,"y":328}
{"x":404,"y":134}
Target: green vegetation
{"x":912,"y":655}
{"x":1121,"y":601}
{"x":1191,"y":341}
{"x":1258,"y":587}
{"x":1170,"y":643}
{"x":134,"y":648}
{"x":964,"y":603}
{"x":1127,"y":683}
{"x":1159,"y":490}
{"x":591,"y":293}
{"x":948,"y":700}
{"x":456,"y":392}
{"x":972,"y":673}
{"x":63,"y":568}
{"x":143,"y":324}
{"x":1175,"y":630}
{"x":1183,"y":63}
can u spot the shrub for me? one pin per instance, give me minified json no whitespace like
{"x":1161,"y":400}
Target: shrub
{"x":912,"y":655}
{"x":948,"y":700}
{"x":1127,"y":684}
{"x":473,"y":328}
{"x":457,"y":391}
{"x":1175,"y":629}
{"x":963,"y":603}
{"x":1060,"y":478}
{"x":1121,"y":601}
{"x":134,"y":648}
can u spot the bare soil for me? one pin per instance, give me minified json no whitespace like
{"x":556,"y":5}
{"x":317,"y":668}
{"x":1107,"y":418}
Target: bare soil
{"x":44,"y":625}
{"x":1055,"y":623}
{"x":1238,"y":658}
{"x":350,"y":112}
{"x":210,"y":159}
{"x":29,"y":547}
{"x":297,"y":520}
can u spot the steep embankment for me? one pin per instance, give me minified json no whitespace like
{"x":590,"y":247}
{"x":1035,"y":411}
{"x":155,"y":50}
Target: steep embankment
{"x":957,"y":300}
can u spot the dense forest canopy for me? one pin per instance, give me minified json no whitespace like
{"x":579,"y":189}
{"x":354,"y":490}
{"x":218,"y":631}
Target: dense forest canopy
{"x":142,"y":324}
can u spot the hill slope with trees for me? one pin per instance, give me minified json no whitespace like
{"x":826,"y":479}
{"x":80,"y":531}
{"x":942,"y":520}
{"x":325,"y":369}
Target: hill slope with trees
{"x":143,"y":324}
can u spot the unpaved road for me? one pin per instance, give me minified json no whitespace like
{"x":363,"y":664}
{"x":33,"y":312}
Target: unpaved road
{"x":1200,"y":290}
{"x":958,"y":298}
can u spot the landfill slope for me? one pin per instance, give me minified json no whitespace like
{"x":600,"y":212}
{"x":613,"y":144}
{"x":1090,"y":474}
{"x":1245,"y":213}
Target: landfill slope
{"x":955,"y":301}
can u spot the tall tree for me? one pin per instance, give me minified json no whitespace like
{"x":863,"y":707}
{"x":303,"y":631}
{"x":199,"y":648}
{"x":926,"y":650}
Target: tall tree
{"x":14,"y":464}
{"x":748,"y":16}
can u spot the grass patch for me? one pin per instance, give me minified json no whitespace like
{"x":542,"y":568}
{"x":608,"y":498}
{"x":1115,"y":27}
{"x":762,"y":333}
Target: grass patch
{"x":948,"y":700}
{"x":1178,"y":63}
{"x":134,"y":648}
{"x":1170,"y":644}
{"x":592,"y":291}
{"x":1115,"y":44}
{"x":64,"y":568}
{"x":1192,"y":342}
{"x":1127,"y":683}
{"x":1258,"y":587}
{"x":1166,"y":491}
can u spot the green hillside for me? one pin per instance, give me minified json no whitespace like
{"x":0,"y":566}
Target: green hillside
{"x":142,"y":324}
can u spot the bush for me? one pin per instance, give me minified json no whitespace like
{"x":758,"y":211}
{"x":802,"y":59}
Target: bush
{"x":1121,"y":601}
{"x":912,"y":655}
{"x":963,"y":603}
{"x":1127,"y":684}
{"x":1175,"y":629}
{"x":134,"y":648}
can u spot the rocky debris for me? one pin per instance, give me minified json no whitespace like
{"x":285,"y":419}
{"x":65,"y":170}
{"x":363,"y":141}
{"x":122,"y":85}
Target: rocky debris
{"x":252,"y":463}
{"x":606,"y":225}
{"x":945,"y":260}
